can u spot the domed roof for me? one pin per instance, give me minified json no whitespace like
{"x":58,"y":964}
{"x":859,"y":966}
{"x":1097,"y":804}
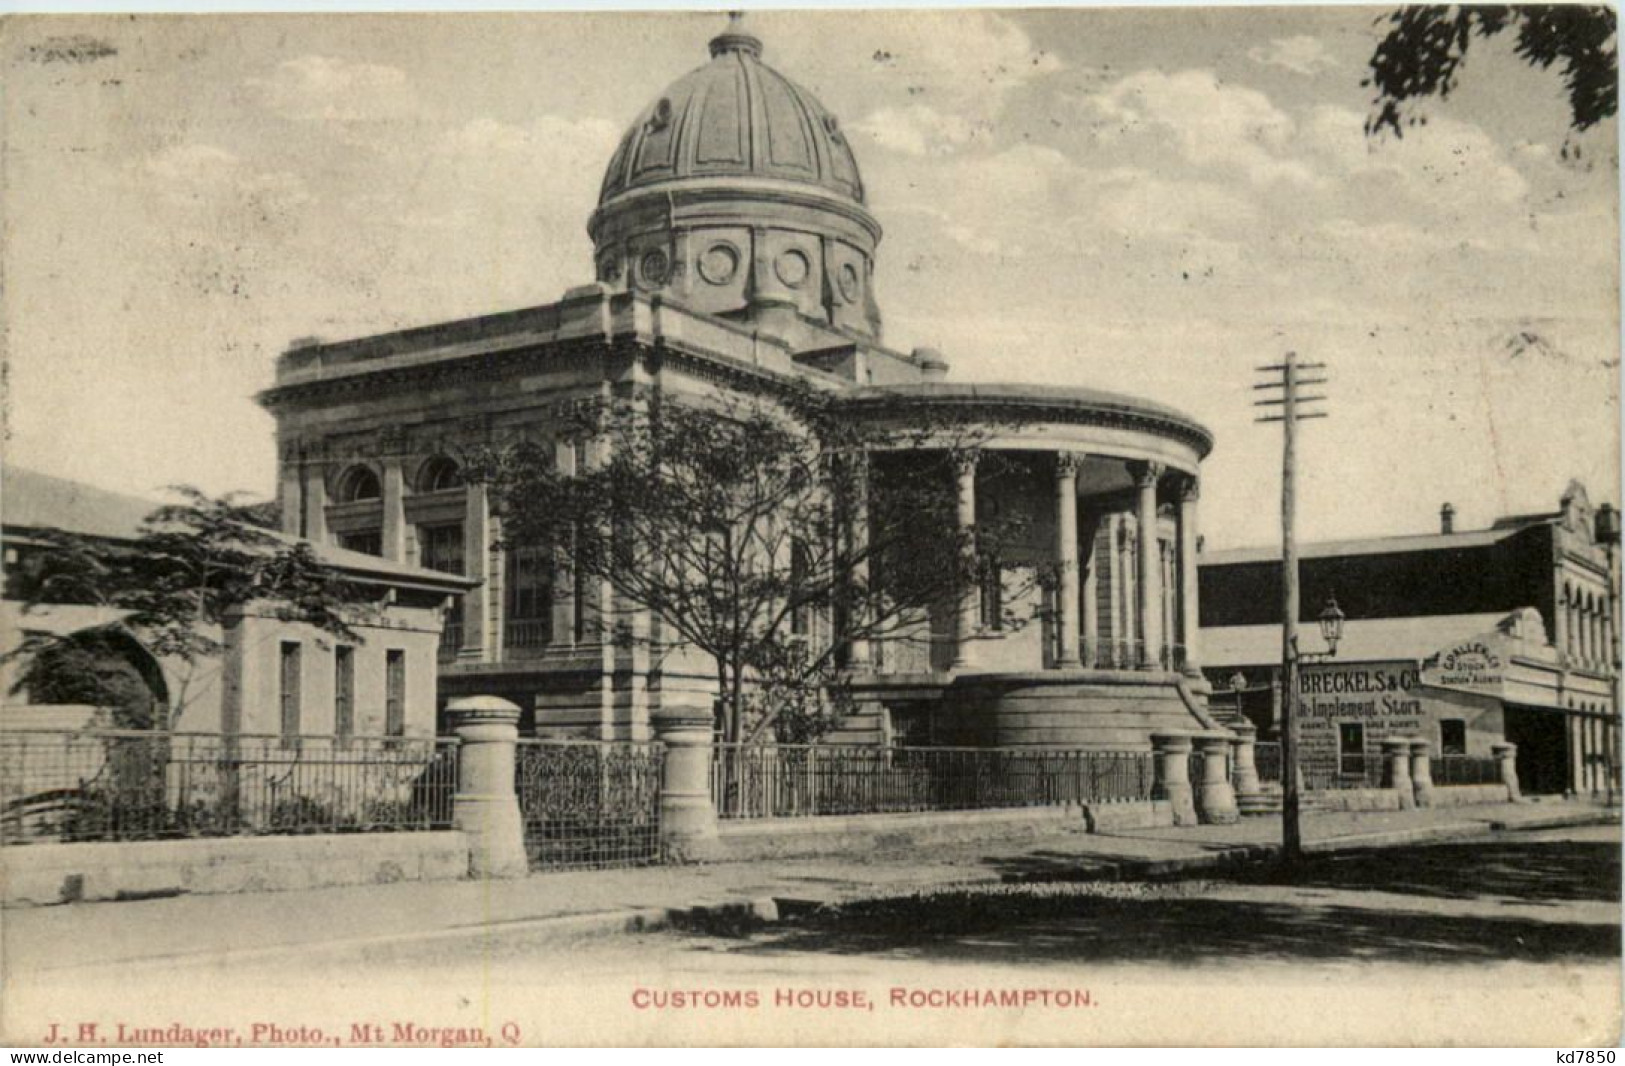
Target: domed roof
{"x":734,"y":117}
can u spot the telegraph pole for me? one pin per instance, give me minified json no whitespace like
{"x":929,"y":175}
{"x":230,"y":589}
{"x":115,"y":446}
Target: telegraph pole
{"x":1287,"y":377}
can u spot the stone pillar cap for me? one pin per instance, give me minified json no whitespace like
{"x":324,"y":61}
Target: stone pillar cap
{"x":483,"y":706}
{"x":1418,"y":742}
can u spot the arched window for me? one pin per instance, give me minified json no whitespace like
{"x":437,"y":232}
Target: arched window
{"x":439,"y":474}
{"x":1570,"y":619}
{"x":358,"y":483}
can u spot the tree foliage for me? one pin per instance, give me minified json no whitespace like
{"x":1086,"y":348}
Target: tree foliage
{"x":177,"y":582}
{"x":731,"y":522}
{"x":1425,"y":46}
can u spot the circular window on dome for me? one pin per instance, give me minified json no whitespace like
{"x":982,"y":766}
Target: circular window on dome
{"x":849,"y":282}
{"x":719,"y":264}
{"x":792,"y":268}
{"x":654,"y":268}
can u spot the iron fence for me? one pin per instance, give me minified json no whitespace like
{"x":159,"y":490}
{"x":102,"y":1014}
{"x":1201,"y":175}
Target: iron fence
{"x":589,"y":804}
{"x":1349,"y":771}
{"x":795,"y":781}
{"x":108,"y":785}
{"x":1465,"y":770}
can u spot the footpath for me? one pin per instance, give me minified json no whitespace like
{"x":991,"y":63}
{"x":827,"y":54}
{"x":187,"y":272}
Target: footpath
{"x":367,"y":920}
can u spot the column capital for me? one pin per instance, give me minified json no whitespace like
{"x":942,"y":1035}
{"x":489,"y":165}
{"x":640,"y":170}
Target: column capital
{"x":1068,"y":464}
{"x":1190,"y":488}
{"x":1145,"y":474}
{"x":965,"y":462}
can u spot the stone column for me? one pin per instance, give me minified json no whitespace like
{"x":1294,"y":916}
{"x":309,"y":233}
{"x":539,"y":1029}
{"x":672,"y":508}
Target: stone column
{"x":1216,"y":797}
{"x":1090,"y":655}
{"x":486,"y":807}
{"x":1146,"y":476}
{"x":315,"y":504}
{"x":970,"y":594}
{"x":1421,"y":773}
{"x":1066,"y":556}
{"x":393,"y":537}
{"x":476,"y":565}
{"x":688,"y":819}
{"x":1172,"y":752}
{"x":1249,"y":790}
{"x":564,"y":580}
{"x":860,"y":656}
{"x":1396,"y":772}
{"x":1119,"y":611}
{"x":1506,"y":757}
{"x":1189,"y":600}
{"x":288,"y":496}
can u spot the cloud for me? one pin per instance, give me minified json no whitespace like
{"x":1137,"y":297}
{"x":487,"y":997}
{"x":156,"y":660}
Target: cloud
{"x":1154,"y":206}
{"x":920,"y":82}
{"x":1301,"y":55}
{"x":1210,"y":123}
{"x":1451,"y":161}
{"x":919,"y":130}
{"x":315,"y":87}
{"x":210,"y":176}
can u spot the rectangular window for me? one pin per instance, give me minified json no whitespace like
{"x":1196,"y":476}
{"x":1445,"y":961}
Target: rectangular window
{"x":366,"y":541}
{"x":530,"y":598}
{"x":992,"y":600}
{"x":395,"y":692}
{"x":440,"y":548}
{"x":1351,"y":748}
{"x":290,"y":685}
{"x":800,"y":615}
{"x":1453,"y":736}
{"x":344,"y":690}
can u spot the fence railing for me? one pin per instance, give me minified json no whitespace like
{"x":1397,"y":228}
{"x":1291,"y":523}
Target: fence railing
{"x":1349,"y":771}
{"x":527,"y":633}
{"x":589,"y":804}
{"x":1465,"y":770}
{"x":105,"y":785}
{"x":793,"y":781}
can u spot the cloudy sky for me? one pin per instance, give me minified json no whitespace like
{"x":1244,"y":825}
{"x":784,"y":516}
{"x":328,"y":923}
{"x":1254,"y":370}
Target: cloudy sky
{"x":1151,"y":201}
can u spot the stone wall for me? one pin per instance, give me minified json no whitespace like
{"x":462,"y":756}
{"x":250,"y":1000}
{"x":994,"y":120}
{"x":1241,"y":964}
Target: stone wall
{"x":68,"y":873}
{"x":863,"y":834}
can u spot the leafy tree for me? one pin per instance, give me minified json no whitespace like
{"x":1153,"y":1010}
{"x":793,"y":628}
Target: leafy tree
{"x":1425,"y":46}
{"x":730,"y":521}
{"x":179,"y":580}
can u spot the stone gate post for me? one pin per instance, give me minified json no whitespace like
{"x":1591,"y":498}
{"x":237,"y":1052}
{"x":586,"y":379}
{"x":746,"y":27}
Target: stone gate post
{"x":688,"y":819}
{"x":486,"y":807}
{"x":1396,"y":770}
{"x":1421,"y":773}
{"x":1506,"y":755}
{"x":1249,"y":790}
{"x":1172,"y":752}
{"x":1215,"y":797}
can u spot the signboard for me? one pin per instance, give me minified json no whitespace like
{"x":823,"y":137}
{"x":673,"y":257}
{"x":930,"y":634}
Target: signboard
{"x":1346,"y":709}
{"x":1477,"y":665}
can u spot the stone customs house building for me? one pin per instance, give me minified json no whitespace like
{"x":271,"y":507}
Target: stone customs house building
{"x":733,"y":247}
{"x":1460,"y":637}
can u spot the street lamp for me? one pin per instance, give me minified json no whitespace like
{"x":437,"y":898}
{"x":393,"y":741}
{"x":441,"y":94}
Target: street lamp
{"x":1331,"y":631}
